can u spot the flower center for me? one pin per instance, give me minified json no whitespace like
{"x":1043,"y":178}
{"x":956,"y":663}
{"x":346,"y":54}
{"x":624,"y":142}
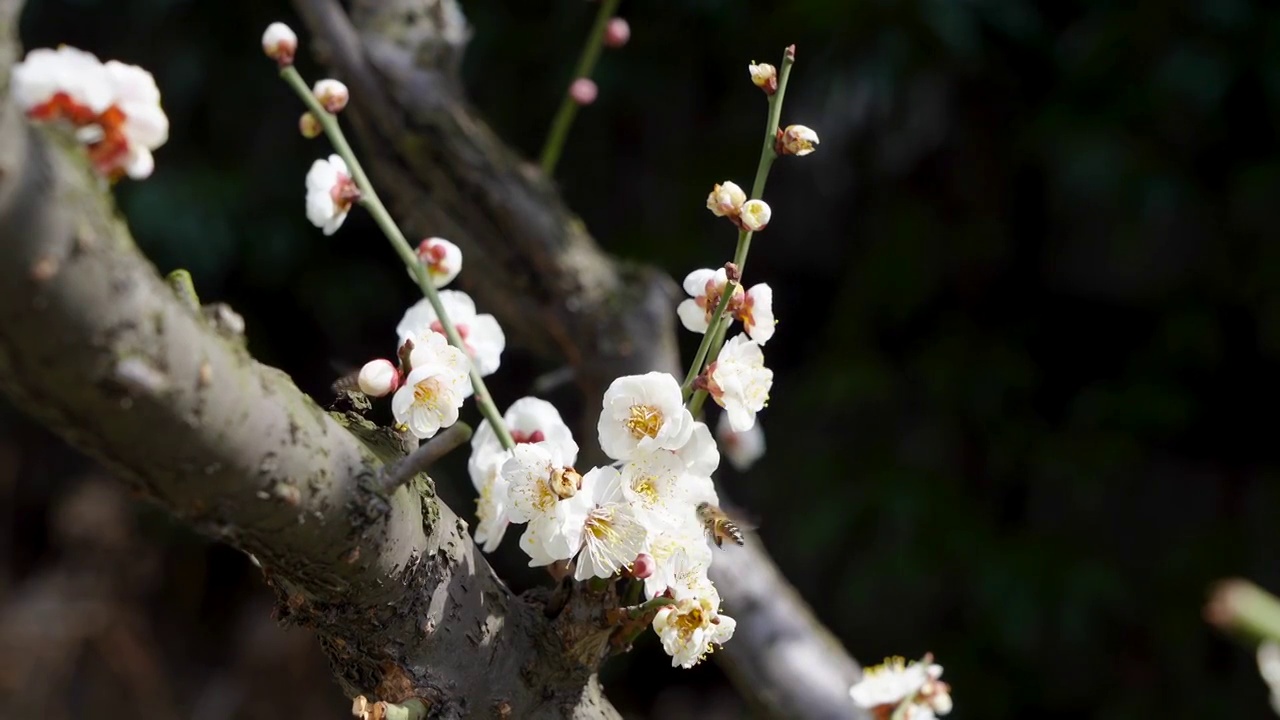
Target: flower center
{"x":529,"y":437}
{"x":600,"y":525}
{"x":689,"y":621}
{"x":426,"y":391}
{"x":647,"y":488}
{"x":645,"y":421}
{"x":344,"y":192}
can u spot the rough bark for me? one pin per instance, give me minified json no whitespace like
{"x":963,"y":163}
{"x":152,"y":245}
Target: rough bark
{"x":445,"y":172}
{"x":98,"y":348}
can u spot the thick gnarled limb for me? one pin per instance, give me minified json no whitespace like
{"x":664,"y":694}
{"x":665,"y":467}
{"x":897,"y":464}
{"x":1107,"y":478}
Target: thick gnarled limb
{"x":446,"y":173}
{"x":97,"y":346}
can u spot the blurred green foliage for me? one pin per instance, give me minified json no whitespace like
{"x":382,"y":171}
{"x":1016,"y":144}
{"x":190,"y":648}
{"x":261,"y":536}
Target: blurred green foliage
{"x":1029,"y":291}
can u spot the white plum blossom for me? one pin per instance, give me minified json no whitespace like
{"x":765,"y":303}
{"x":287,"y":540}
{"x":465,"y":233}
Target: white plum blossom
{"x":480,"y":333}
{"x":726,"y":200}
{"x":330,"y":192}
{"x":764,"y":76}
{"x":675,"y":549}
{"x":529,"y":420}
{"x":1269,"y":669}
{"x":700,"y":454}
{"x":655,"y":483}
{"x":755,"y":310}
{"x":552,"y":498}
{"x":332,"y":94}
{"x":884,"y":687}
{"x":442,"y":259}
{"x":643,"y":413}
{"x":113,"y":108}
{"x":280,"y":43}
{"x":434,"y":390}
{"x":754,"y":215}
{"x":612,"y":535}
{"x":797,"y":140}
{"x":739,"y":382}
{"x":706,"y":289}
{"x":378,"y":378}
{"x":690,"y":628}
{"x":742,"y":448}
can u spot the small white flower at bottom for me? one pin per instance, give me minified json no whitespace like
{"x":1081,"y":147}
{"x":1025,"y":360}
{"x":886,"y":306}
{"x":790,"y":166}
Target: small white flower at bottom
{"x":690,"y":629}
{"x":1269,"y":669}
{"x":330,"y":192}
{"x":884,"y":687}
{"x":739,"y":382}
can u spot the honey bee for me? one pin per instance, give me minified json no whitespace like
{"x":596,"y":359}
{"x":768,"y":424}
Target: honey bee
{"x":718,"y":525}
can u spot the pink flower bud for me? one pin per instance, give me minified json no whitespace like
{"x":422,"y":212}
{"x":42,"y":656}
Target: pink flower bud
{"x":583,"y":91}
{"x":280,"y":43}
{"x":332,"y":94}
{"x":379,"y":378}
{"x":309,"y":126}
{"x":616,"y":33}
{"x":644,"y":566}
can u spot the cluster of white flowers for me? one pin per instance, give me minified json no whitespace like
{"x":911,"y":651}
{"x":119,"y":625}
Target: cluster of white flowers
{"x":913,"y":689}
{"x":112,"y":108}
{"x":636,"y":516}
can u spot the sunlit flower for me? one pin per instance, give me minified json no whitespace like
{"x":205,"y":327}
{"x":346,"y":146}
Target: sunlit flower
{"x":680,"y":552}
{"x":742,"y":448}
{"x":113,"y":108}
{"x":739,"y":382}
{"x":550,"y":497}
{"x":612,"y":535}
{"x":797,"y":140}
{"x":330,"y":192}
{"x":485,"y":468}
{"x":333,"y":95}
{"x":653,"y":481}
{"x":726,"y":199}
{"x":480,"y":333}
{"x":280,"y":43}
{"x":442,"y":259}
{"x":378,"y":378}
{"x":700,"y":454}
{"x":884,"y":687}
{"x":433,"y":391}
{"x":764,"y":76}
{"x":690,"y":629}
{"x":755,"y":215}
{"x":756,"y":313}
{"x":643,"y":413}
{"x":706,"y":289}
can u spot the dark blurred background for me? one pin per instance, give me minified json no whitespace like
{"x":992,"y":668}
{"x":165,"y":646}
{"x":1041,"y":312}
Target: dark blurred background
{"x":1029,"y":292}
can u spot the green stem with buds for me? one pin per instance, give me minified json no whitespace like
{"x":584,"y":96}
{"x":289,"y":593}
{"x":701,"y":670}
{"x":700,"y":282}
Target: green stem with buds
{"x":568,"y":106}
{"x":713,"y":338}
{"x":369,"y":199}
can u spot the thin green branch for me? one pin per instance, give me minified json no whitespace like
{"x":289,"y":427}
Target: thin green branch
{"x":559,"y":132}
{"x":1239,"y":606}
{"x":713,"y":338}
{"x":369,"y":199}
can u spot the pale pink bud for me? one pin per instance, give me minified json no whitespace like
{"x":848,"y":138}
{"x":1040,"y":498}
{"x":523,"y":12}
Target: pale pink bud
{"x":644,"y":566}
{"x":379,"y":378}
{"x":280,"y":43}
{"x":797,"y":140}
{"x":309,"y":126}
{"x":332,"y":94}
{"x":616,"y":33}
{"x":764,"y":76}
{"x":583,"y":91}
{"x":755,"y":215}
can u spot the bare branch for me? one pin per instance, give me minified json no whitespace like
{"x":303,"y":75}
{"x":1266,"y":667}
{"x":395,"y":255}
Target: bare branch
{"x":420,"y":460}
{"x":446,"y":173}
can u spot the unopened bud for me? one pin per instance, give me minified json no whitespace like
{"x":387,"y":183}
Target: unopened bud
{"x":565,"y":482}
{"x":732,"y":272}
{"x":309,"y":126}
{"x":442,"y":258}
{"x":764,"y":76}
{"x":379,"y":378}
{"x":644,"y":566}
{"x":616,"y":33}
{"x":755,"y":215}
{"x":796,"y":140}
{"x":332,"y":94}
{"x":726,"y":199}
{"x":583,"y":91}
{"x":280,"y":43}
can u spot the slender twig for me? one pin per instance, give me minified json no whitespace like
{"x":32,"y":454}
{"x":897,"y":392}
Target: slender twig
{"x":1239,"y":606}
{"x":369,"y":199}
{"x":568,"y":106}
{"x":713,"y":338}
{"x":421,"y":459}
